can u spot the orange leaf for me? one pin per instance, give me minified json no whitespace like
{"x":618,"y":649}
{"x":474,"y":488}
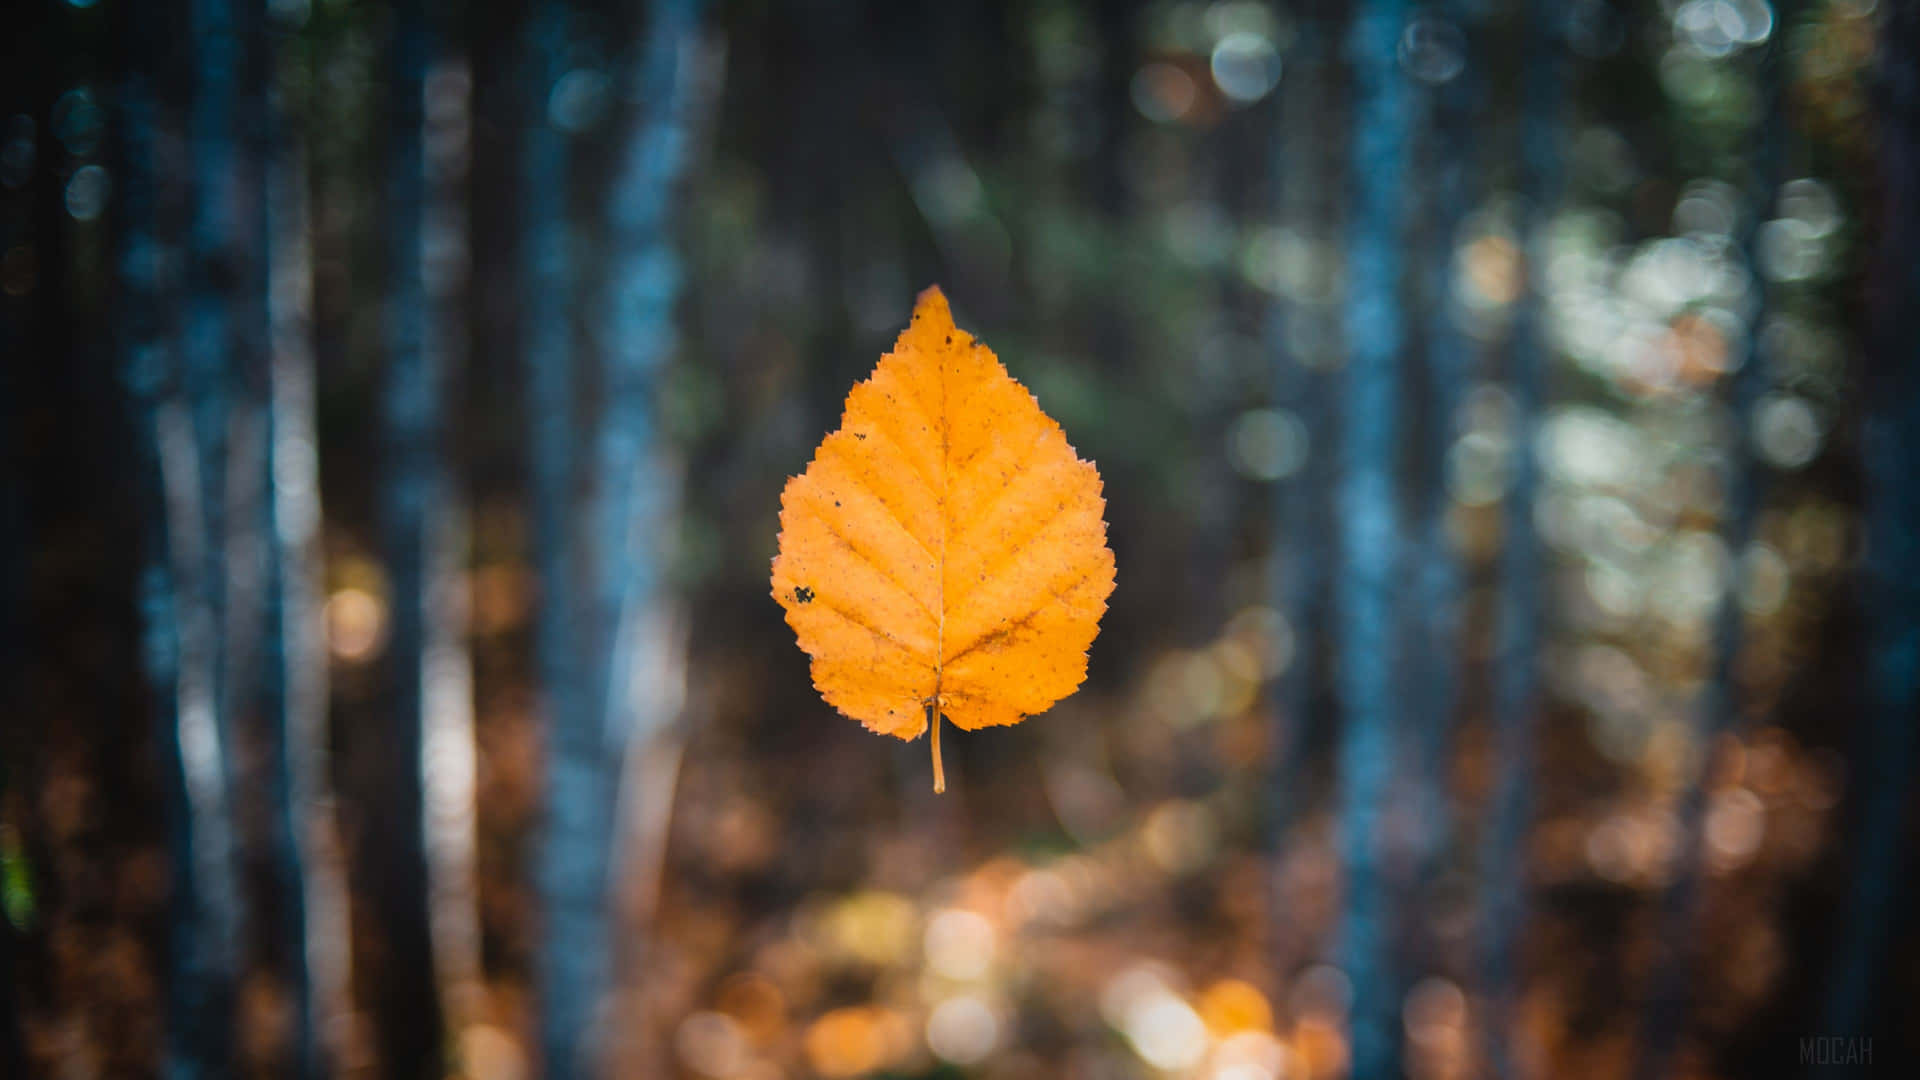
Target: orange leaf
{"x":944,"y":556}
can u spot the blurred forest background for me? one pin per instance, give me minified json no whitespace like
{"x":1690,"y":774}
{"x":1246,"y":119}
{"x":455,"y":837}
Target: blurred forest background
{"x":1511,"y":440}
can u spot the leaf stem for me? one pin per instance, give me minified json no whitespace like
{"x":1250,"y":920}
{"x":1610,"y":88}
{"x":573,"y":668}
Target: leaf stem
{"x":939,"y":773}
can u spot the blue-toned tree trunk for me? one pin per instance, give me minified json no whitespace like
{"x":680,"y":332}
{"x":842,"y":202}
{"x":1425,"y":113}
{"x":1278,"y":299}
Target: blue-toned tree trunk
{"x":181,"y":377}
{"x":1886,"y":746}
{"x":604,"y":576}
{"x":568,"y":874}
{"x":634,"y":486}
{"x":405,"y":1007}
{"x":1369,"y":519}
{"x":224,"y":354}
{"x":1516,"y":678}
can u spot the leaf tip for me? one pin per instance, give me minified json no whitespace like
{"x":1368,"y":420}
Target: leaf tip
{"x":932,"y":304}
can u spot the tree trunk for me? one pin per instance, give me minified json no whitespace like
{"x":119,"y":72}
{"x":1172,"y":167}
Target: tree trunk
{"x":604,"y":575}
{"x":1889,"y":737}
{"x":309,"y":886}
{"x":567,"y":877}
{"x":1517,"y":654}
{"x":1306,"y":172}
{"x":1717,"y":711}
{"x":1450,"y":111}
{"x":405,"y":1007}
{"x":449,"y":766}
{"x":1370,"y":526}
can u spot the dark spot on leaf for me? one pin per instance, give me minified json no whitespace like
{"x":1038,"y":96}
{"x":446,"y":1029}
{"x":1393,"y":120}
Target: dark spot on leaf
{"x":803,"y":594}
{"x":860,"y":435}
{"x":949,"y":339}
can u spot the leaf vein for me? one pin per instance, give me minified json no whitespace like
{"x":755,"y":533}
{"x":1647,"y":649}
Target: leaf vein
{"x":900,"y":447}
{"x":860,"y":482}
{"x":886,"y":573}
{"x":1028,"y":457}
{"x":863,"y":624}
{"x":1012,"y":552}
{"x":1056,"y":593}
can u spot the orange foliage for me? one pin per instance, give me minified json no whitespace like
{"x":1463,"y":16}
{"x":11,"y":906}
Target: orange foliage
{"x":945,"y":554}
